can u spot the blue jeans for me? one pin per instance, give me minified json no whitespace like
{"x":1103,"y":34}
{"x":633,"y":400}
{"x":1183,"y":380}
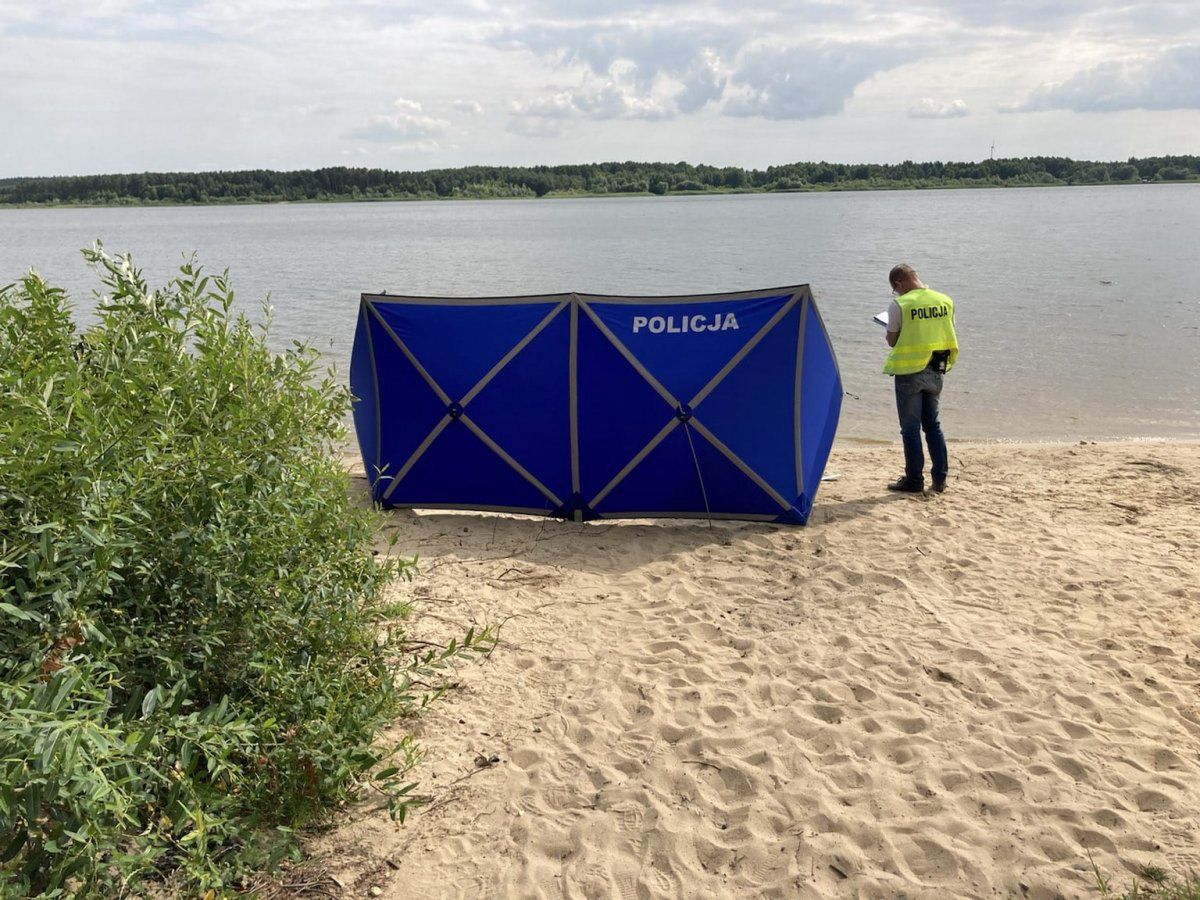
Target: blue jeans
{"x":917,"y":403}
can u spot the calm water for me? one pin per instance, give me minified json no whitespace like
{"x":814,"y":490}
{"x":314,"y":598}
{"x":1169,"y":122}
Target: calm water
{"x":1078,"y":309}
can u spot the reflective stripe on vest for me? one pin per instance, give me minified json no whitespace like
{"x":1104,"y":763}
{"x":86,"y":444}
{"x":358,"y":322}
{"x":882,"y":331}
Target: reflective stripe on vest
{"x":927,"y":325}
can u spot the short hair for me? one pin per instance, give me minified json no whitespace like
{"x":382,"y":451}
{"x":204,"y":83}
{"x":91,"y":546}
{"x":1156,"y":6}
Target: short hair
{"x":901,"y":271}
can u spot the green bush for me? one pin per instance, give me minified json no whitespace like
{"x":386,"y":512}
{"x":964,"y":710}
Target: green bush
{"x":1173,"y":173}
{"x":190,"y":653}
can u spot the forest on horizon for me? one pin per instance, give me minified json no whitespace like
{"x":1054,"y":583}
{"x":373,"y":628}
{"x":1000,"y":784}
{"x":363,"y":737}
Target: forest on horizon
{"x":591,"y":179}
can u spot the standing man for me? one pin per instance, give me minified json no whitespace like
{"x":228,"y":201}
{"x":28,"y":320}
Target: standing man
{"x":920,"y":332}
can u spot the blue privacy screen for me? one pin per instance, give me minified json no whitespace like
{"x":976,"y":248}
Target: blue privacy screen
{"x":589,"y":407}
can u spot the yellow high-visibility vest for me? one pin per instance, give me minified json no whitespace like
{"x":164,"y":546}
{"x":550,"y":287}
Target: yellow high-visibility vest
{"x":927,"y":325}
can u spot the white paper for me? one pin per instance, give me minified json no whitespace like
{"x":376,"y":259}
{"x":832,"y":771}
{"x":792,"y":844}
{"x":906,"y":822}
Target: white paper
{"x":881,"y":318}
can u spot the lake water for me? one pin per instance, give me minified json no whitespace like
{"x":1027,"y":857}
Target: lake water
{"x":1078,"y":309}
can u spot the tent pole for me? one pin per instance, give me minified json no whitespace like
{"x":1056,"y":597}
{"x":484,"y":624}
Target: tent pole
{"x":703,"y":492}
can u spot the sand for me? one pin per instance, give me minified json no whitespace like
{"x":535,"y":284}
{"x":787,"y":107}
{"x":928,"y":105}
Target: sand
{"x":967,"y":695}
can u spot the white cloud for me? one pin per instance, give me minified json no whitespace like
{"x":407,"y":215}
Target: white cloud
{"x":402,"y":128}
{"x":651,"y":48}
{"x":615,"y":101}
{"x":606,"y":100}
{"x":535,"y":127}
{"x":650,"y":69}
{"x":559,"y":105}
{"x":703,"y":82}
{"x":805,"y":82}
{"x":1168,"y":82}
{"x":176,"y":83}
{"x":929,"y":108}
{"x":319,"y":109}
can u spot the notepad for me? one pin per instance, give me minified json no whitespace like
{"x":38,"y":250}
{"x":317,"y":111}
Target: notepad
{"x":881,"y":318}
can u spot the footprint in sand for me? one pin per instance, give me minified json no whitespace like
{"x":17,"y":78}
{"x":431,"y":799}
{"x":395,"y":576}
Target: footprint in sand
{"x":1075,"y":730}
{"x":862,"y":693}
{"x":1073,"y":768}
{"x":1090,"y":839}
{"x":703,"y":631}
{"x":736,"y":782}
{"x":551,"y":888}
{"x":1165,"y":760}
{"x":911,"y":725}
{"x":766,"y":869}
{"x":674,"y":734}
{"x":1003,"y":783}
{"x":826,"y":713}
{"x":720,"y":714}
{"x":661,"y":648}
{"x":636,"y":745}
{"x":1152,"y":801}
{"x":869,"y":725}
{"x":628,"y":818}
{"x":627,"y":888}
{"x":969,"y":655}
{"x":930,"y":861}
{"x":1107,"y":818}
{"x":656,"y":884}
{"x":559,"y":798}
{"x":1057,"y":850}
{"x":953,"y":779}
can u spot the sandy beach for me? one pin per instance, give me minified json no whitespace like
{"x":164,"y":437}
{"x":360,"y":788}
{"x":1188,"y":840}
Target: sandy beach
{"x":974,"y":694}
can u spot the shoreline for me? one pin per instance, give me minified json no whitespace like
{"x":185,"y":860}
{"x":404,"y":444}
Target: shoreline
{"x":966,"y":694}
{"x":579,"y":195}
{"x":855,"y":441}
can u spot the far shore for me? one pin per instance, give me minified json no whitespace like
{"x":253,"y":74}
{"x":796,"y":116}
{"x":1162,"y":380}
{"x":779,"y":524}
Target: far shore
{"x":577,"y":195}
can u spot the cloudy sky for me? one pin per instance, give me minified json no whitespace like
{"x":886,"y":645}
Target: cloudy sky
{"x":128,"y":85}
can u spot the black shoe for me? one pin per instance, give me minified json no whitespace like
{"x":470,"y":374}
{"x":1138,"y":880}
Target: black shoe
{"x":939,"y":487}
{"x":906,"y":486}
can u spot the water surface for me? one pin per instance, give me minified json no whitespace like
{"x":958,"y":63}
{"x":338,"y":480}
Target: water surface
{"x":1078,"y":309}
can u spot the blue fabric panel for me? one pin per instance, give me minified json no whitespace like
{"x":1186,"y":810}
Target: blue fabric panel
{"x":820,"y":404}
{"x":409,"y":409}
{"x":526,"y":408}
{"x":619,"y":412}
{"x":667,"y":481}
{"x":362,"y":387}
{"x":753,"y":409}
{"x":460,"y":469}
{"x":683,"y":362}
{"x":459,"y":344}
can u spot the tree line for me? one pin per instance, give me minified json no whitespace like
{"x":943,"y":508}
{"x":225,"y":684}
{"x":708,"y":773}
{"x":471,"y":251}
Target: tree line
{"x":342,"y":183}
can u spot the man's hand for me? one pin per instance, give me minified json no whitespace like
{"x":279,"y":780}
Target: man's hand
{"x":892,"y":337}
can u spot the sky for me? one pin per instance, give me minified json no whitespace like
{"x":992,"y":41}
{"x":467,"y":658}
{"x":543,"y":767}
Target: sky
{"x":192,"y":85}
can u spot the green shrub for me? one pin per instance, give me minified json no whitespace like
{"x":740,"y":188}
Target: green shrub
{"x":1173,"y":173}
{"x":190,"y":656}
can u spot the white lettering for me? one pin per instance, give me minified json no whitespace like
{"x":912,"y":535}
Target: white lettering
{"x":686,"y":324}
